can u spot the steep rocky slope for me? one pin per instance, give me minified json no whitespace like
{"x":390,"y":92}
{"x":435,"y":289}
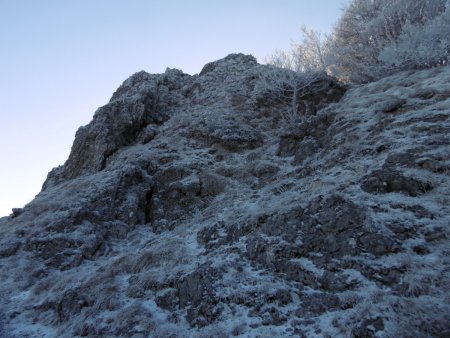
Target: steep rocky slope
{"x":191,"y":207}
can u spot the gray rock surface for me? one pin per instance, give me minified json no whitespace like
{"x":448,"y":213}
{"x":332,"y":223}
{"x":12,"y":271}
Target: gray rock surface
{"x":189,"y":208}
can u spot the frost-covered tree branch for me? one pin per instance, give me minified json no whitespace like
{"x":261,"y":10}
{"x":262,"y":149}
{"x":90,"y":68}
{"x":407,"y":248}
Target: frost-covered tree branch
{"x":294,"y":71}
{"x":307,"y":56}
{"x":288,"y":86}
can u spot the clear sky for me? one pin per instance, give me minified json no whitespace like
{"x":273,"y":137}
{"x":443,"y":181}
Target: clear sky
{"x":62,"y":59}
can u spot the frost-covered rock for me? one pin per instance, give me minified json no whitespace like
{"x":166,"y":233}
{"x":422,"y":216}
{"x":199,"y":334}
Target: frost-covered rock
{"x":191,"y":207}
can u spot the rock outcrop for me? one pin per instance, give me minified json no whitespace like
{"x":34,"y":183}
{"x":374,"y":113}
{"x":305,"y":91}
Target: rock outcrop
{"x":190,"y":207}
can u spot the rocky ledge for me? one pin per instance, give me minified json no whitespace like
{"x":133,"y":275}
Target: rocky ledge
{"x":191,"y":206}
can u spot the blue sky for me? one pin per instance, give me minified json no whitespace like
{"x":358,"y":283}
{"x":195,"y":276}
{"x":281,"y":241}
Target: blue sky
{"x":62,"y":59}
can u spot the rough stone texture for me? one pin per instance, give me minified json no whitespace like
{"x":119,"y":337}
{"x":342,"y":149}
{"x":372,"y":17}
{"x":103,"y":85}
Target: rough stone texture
{"x":388,"y":180}
{"x":305,"y":149}
{"x":141,"y":101}
{"x":391,"y":104}
{"x":312,"y":128}
{"x":70,"y":305}
{"x":320,"y":93}
{"x":189,"y":208}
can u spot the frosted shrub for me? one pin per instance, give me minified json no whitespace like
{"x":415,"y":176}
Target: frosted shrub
{"x":420,"y":46}
{"x":375,"y":37}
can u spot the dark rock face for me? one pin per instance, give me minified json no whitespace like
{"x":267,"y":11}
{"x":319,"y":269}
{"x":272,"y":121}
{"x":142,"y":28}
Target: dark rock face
{"x":320,"y":93}
{"x":141,"y":101}
{"x":305,"y":149}
{"x":70,"y":305}
{"x":369,"y":328}
{"x":322,"y":232}
{"x":232,"y":137}
{"x":307,"y":137}
{"x":388,"y":180}
{"x":195,"y":292}
{"x":190,"y":207}
{"x":8,"y":248}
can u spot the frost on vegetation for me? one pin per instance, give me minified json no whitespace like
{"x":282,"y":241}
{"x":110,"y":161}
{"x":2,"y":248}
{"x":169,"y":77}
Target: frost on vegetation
{"x":420,"y":46}
{"x":373,"y":39}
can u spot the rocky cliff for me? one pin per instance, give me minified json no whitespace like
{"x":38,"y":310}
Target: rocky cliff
{"x":190,"y":206}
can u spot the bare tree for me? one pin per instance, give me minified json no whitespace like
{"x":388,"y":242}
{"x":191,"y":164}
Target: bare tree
{"x":287,"y":86}
{"x":307,"y":56}
{"x":293,"y":72}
